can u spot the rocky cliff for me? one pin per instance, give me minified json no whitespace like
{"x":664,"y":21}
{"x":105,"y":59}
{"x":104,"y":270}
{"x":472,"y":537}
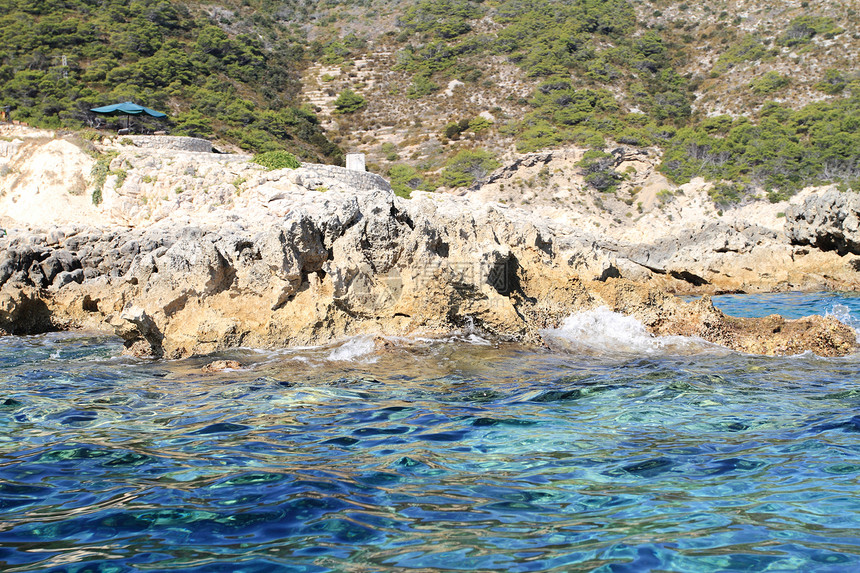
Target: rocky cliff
{"x":246,"y":257}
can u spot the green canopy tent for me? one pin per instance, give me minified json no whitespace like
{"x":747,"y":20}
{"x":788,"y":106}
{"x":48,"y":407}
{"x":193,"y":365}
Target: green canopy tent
{"x":128,"y":109}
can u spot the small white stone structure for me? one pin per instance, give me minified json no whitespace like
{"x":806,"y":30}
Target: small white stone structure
{"x":355,"y":162}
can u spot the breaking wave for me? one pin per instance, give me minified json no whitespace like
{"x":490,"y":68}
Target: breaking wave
{"x":843,"y":314}
{"x":602,"y":331}
{"x":353,"y":349}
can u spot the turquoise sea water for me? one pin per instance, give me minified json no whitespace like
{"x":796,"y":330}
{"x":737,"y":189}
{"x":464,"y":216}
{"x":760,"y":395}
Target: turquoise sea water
{"x":606,"y":453}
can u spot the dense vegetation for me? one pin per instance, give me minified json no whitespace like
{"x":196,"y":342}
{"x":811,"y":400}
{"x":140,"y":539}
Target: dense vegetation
{"x":604,"y":79}
{"x":230,"y":70}
{"x":783,"y":152}
{"x":59,"y":58}
{"x":588,"y":39}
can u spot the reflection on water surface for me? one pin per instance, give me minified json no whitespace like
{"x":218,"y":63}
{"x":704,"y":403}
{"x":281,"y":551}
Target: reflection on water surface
{"x":456,"y":455}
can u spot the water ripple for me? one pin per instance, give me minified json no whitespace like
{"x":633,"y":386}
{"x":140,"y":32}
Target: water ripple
{"x":432,"y":456}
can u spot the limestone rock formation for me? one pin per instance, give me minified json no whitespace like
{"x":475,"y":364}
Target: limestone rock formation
{"x":664,"y":315}
{"x":829,"y":221}
{"x":242,"y":256}
{"x":346,"y":263}
{"x":718,"y":257}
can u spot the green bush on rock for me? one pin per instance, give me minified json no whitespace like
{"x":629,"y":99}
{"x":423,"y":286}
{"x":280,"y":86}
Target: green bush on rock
{"x":404,"y":179}
{"x":832,"y":83}
{"x":727,"y":193}
{"x":599,"y":170}
{"x":272,"y":160}
{"x":468,"y":167}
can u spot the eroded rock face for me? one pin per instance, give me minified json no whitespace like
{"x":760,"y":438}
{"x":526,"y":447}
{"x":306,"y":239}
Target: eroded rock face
{"x":829,"y":221}
{"x":693,"y":254}
{"x":333,"y":260}
{"x":719,"y":257}
{"x":342,"y":264}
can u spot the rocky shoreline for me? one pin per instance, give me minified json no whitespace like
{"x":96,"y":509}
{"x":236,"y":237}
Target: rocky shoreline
{"x":319,"y":253}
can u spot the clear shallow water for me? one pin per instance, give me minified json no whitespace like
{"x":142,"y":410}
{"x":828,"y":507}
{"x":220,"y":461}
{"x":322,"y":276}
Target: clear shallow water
{"x":789,"y":304}
{"x":435,"y":456}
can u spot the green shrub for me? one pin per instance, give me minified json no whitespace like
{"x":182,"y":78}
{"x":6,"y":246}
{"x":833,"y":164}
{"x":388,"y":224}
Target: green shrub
{"x":801,"y":30}
{"x":421,"y":86}
{"x":440,"y":18}
{"x":598,"y":167}
{"x":768,"y":83}
{"x":193,"y":124}
{"x":349,"y":102}
{"x":540,"y":134}
{"x":99,"y":173}
{"x":452,"y":130}
{"x":748,"y":49}
{"x":725,"y":193}
{"x":849,"y":185}
{"x":832,"y":83}
{"x":478,"y":124}
{"x":468,"y":167}
{"x":455,"y":128}
{"x":272,"y":160}
{"x":404,"y":179}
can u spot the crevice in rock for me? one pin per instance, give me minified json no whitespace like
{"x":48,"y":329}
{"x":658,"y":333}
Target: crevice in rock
{"x":514,"y":283}
{"x":651,"y":268}
{"x":90,"y":305}
{"x":689,"y":277}
{"x":402,"y":217}
{"x":31,"y":315}
{"x":610,"y":272}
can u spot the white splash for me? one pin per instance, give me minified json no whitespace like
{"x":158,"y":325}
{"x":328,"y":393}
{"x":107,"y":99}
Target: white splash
{"x":353,"y":349}
{"x":843,"y":314}
{"x":602,"y":331}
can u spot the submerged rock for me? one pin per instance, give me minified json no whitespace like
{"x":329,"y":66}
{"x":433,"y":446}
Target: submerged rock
{"x":221,"y":365}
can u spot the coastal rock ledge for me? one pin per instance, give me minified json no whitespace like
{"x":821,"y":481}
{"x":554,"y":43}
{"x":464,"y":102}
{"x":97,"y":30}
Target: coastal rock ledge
{"x":308,"y":264}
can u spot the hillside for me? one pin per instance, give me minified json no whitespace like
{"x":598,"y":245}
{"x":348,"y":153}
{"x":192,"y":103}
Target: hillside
{"x":438,"y":94}
{"x":761,"y":96}
{"x":58,"y":59}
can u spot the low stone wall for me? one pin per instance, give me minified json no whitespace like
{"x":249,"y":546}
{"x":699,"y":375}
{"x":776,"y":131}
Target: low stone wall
{"x":319,"y":175}
{"x":172,"y":142}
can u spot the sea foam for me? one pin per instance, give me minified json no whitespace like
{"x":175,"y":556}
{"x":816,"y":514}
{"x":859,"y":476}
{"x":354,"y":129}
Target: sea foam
{"x":843,"y":314}
{"x":602,"y":331}
{"x":353,"y":349}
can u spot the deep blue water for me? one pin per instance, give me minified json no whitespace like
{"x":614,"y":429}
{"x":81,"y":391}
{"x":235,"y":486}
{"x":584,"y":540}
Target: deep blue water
{"x":453,"y":455}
